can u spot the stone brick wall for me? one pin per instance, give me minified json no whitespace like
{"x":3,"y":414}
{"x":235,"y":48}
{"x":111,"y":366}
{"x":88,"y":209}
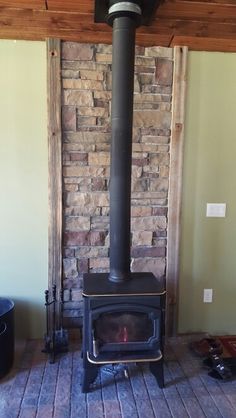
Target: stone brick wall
{"x":86,"y":81}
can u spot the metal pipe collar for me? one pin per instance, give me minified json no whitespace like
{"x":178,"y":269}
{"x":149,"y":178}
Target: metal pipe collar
{"x":125,"y":6}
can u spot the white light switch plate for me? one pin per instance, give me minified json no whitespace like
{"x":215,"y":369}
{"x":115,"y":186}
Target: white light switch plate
{"x":216,"y":210}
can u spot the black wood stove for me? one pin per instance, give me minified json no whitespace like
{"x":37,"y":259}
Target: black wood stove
{"x":123,"y":311}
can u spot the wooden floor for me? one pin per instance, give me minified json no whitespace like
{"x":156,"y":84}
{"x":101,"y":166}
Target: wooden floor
{"x":36,"y":388}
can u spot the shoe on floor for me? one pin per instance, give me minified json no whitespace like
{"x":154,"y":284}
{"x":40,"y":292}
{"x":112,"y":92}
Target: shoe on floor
{"x":206,"y":347}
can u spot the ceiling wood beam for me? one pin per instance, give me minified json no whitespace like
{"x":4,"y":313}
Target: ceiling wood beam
{"x":72,"y":6}
{"x":207,"y":25}
{"x":205,"y":44}
{"x":208,"y":12}
{"x":229,"y":2}
{"x":24,"y":4}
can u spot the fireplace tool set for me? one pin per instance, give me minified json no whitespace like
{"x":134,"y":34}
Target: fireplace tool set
{"x":55,"y":340}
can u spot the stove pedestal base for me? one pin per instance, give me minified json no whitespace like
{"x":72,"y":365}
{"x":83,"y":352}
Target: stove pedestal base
{"x":90,"y":373}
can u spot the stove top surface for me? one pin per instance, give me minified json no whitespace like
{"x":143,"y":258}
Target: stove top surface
{"x":98,"y":284}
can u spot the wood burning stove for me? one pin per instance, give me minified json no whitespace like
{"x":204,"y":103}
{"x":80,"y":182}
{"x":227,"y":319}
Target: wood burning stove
{"x":122,"y":323}
{"x":123,"y":311}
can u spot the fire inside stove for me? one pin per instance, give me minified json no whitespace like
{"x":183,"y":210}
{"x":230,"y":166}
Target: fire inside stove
{"x":125,"y":327}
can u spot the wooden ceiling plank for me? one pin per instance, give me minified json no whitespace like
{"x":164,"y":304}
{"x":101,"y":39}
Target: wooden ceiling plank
{"x":77,"y":36}
{"x":205,"y":44}
{"x":189,"y":28}
{"x":79,"y":22}
{"x":45,"y":19}
{"x":83,"y":6}
{"x":198,"y":11}
{"x":24,"y":4}
{"x":17,"y":23}
{"x":226,"y":2}
{"x":148,"y":39}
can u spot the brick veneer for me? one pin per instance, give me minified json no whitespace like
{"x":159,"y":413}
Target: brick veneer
{"x":86,"y":82}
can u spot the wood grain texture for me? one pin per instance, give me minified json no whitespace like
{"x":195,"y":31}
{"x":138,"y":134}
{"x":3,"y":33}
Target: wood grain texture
{"x":24,"y":4}
{"x":55,"y":165}
{"x":205,"y":44}
{"x":175,"y":186}
{"x":210,"y":12}
{"x":228,"y":2}
{"x":83,"y":6}
{"x":198,"y":23}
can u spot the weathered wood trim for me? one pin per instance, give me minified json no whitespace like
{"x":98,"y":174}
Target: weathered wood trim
{"x":55,"y":164}
{"x":175,"y":187}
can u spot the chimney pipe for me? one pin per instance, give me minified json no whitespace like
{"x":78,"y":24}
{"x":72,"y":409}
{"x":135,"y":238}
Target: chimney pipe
{"x":124,"y":17}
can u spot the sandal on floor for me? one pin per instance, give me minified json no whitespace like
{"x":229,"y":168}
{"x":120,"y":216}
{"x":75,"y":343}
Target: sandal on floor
{"x":206,"y":347}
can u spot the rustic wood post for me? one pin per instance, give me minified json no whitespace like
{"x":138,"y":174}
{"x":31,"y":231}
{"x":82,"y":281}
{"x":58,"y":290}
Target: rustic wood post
{"x":55,"y":167}
{"x":175,"y":187}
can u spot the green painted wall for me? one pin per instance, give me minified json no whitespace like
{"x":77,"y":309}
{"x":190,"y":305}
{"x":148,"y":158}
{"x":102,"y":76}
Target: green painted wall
{"x":23,"y":182}
{"x":208,"y":258}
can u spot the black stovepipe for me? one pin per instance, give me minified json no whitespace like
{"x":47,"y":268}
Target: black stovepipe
{"x":123,"y":56}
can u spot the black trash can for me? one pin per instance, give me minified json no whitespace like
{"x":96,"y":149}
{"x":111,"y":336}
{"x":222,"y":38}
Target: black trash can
{"x":7,"y":339}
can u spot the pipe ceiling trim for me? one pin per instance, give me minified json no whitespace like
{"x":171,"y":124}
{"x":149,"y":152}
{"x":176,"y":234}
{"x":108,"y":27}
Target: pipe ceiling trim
{"x":125,"y":6}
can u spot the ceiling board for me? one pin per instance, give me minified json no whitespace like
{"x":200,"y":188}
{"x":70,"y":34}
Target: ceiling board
{"x":206,"y":44}
{"x":198,"y":11}
{"x":189,"y":28}
{"x":194,"y":22}
{"x":84,"y":6}
{"x":61,"y":21}
{"x":229,"y":2}
{"x":66,"y":21}
{"x":150,"y":39}
{"x":24,"y":4}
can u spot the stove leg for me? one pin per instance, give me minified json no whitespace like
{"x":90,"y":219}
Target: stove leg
{"x":90,"y":372}
{"x":156,"y":368}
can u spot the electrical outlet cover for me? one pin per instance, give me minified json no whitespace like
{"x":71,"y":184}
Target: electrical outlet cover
{"x":207,"y":295}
